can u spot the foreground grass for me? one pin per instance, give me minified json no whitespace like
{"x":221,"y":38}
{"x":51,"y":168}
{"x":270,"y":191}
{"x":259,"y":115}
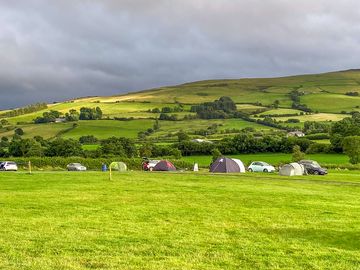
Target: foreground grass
{"x":179,"y":221}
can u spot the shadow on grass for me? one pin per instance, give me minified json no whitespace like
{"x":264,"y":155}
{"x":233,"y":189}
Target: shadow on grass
{"x":347,"y":240}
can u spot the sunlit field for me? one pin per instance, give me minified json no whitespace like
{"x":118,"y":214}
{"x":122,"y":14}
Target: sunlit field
{"x":61,"y":220}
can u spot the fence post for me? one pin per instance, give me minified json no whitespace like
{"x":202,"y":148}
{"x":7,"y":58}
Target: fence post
{"x":29,"y":165}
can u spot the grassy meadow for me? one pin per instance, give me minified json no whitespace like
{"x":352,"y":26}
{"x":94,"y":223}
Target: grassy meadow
{"x":139,"y":220}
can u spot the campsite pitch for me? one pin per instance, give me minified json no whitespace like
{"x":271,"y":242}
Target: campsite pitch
{"x":71,"y":220}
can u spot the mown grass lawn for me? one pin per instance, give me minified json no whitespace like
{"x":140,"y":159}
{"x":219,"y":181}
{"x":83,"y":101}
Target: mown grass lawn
{"x":63,"y":220}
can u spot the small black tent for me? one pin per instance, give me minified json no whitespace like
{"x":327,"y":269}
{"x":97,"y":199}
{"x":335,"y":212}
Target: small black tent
{"x":164,"y":165}
{"x":224,"y":165}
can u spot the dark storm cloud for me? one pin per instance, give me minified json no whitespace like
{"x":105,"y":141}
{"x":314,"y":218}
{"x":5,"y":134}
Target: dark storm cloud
{"x":52,"y":50}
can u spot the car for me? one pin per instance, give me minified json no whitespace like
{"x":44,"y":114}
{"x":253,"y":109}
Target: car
{"x":75,"y":167}
{"x":260,"y":166}
{"x":8,"y":166}
{"x":312,"y":167}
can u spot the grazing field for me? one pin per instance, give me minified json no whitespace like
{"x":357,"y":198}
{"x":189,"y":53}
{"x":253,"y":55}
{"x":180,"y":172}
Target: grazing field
{"x":334,"y":103}
{"x":179,"y":221}
{"x":103,"y":129}
{"x":167,"y":127}
{"x":273,"y":158}
{"x":47,"y":131}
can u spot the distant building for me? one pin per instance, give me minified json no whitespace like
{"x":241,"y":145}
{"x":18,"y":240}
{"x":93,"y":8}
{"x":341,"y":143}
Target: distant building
{"x":201,"y":141}
{"x":60,"y":120}
{"x":296,"y":134}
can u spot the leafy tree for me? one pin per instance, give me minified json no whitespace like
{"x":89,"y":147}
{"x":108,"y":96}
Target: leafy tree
{"x":276,"y":104}
{"x":182,"y":136}
{"x":90,"y":113}
{"x":25,"y":147}
{"x":146,"y":150}
{"x":19,"y":131}
{"x":349,"y":126}
{"x":297,"y":155}
{"x":48,"y":117}
{"x":156,"y":125}
{"x":215,"y":154}
{"x":64,"y":148}
{"x":72,"y":116}
{"x":225,"y":107}
{"x":4,"y":122}
{"x":119,"y":147}
{"x":351,"y":145}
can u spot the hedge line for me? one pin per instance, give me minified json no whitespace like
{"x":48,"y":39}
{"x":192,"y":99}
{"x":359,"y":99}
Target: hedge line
{"x":60,"y":163}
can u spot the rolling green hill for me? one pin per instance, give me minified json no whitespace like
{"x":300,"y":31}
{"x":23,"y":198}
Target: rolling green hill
{"x":323,"y":93}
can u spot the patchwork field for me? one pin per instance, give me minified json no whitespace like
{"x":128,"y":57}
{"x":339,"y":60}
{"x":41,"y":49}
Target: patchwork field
{"x":179,"y":221}
{"x":326,"y":93}
{"x":103,"y":129}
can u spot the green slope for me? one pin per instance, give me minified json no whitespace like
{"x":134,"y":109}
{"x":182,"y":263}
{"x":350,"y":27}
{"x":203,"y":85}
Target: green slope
{"x":323,"y":92}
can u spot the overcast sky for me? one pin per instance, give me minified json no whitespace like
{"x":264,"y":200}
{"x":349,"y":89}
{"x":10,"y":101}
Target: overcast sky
{"x":57,"y":49}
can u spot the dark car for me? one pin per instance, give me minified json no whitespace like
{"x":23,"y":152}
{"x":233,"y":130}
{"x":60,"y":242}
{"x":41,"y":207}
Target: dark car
{"x":312,"y":167}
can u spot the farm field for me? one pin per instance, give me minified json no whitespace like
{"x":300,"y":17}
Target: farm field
{"x":273,"y":158}
{"x":334,"y":103}
{"x":63,"y":220}
{"x":192,"y":125}
{"x":103,"y":129}
{"x":121,"y":109}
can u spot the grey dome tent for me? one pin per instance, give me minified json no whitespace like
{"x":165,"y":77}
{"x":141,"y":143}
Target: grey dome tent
{"x":240,"y":164}
{"x":292,"y":169}
{"x":164,"y":165}
{"x":224,"y":165}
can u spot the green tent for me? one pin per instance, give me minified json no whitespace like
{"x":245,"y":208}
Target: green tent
{"x":118,"y":166}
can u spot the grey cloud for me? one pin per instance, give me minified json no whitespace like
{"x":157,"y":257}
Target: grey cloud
{"x":54,"y":50}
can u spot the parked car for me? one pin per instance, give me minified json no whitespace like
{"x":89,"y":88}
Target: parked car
{"x":76,"y":167}
{"x":312,"y":167}
{"x":260,"y":166}
{"x":8,"y":166}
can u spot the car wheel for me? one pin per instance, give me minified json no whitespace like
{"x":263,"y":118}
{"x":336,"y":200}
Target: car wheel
{"x":265,"y":170}
{"x":250,"y":170}
{"x":316,"y":172}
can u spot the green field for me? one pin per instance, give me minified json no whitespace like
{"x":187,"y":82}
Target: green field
{"x":179,"y":221}
{"x":273,"y":158}
{"x":103,"y":129}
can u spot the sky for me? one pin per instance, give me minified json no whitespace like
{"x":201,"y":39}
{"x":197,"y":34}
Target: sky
{"x":56,"y":50}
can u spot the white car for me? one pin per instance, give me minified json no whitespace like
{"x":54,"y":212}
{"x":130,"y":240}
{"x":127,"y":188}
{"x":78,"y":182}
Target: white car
{"x":260,"y":166}
{"x":8,"y":166}
{"x":75,"y":167}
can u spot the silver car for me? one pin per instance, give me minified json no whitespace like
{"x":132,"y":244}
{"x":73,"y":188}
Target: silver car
{"x":75,"y":167}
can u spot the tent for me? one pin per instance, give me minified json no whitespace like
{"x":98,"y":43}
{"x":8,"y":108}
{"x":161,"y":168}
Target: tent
{"x":118,"y":166}
{"x":224,"y":165}
{"x":240,"y":164}
{"x":164,"y":165}
{"x":292,"y":169}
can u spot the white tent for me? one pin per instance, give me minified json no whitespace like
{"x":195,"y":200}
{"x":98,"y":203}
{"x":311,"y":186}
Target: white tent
{"x":292,"y":169}
{"x":240,"y":164}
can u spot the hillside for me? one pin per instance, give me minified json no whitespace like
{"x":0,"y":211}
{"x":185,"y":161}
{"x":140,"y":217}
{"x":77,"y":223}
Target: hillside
{"x":325,"y":94}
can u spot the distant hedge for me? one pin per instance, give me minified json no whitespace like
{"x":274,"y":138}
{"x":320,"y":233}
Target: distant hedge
{"x":60,"y":163}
